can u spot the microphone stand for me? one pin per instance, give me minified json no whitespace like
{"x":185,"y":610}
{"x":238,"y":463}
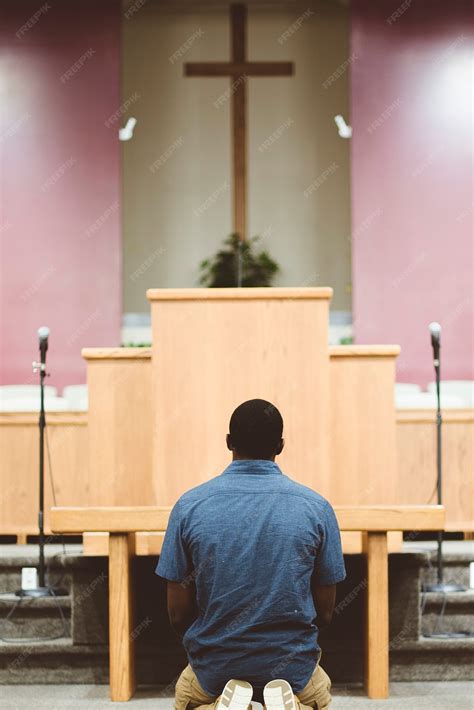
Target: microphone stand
{"x":440,"y":586}
{"x":43,"y":590}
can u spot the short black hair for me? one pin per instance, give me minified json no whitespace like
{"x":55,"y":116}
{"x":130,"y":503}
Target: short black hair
{"x":256,"y":429}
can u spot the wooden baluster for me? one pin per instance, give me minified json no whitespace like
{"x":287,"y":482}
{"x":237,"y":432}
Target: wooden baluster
{"x":122,"y":659}
{"x":376,"y":622}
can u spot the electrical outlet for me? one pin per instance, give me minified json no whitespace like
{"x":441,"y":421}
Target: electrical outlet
{"x":29,"y":578}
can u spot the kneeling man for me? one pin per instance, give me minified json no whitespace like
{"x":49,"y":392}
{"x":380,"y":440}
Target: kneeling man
{"x":252,"y":560}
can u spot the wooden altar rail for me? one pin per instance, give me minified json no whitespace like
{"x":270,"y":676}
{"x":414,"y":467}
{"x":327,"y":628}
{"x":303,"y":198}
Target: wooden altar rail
{"x":122,"y":523}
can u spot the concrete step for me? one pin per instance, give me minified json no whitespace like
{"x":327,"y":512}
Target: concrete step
{"x":433,"y":659}
{"x":419,"y":660}
{"x":447,"y":613}
{"x":457,"y":556}
{"x":56,"y":661}
{"x":455,"y":572}
{"x":60,"y":661}
{"x":160,"y":656}
{"x":29,"y":618}
{"x":59,"y":566}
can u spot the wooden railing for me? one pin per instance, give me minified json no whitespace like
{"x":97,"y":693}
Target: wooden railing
{"x":123,"y":522}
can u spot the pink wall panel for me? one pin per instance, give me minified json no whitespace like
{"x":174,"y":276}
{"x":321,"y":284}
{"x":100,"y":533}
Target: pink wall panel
{"x":412,"y":181}
{"x":60,"y":235}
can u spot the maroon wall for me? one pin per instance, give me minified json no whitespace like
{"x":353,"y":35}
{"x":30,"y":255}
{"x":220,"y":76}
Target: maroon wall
{"x":412,"y":180}
{"x":59,"y":183}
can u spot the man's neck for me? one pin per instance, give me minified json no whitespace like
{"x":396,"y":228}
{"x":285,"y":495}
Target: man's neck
{"x":242,"y":457}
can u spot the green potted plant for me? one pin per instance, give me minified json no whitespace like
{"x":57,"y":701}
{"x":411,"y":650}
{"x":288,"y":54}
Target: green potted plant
{"x":238,"y":263}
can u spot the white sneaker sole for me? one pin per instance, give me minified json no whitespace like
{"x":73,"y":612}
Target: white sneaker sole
{"x":278,"y":695}
{"x":236,"y":695}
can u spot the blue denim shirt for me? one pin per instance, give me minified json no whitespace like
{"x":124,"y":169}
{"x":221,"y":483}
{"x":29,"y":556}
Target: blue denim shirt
{"x":251,"y":539}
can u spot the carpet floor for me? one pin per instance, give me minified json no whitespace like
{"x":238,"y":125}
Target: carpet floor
{"x":409,"y":696}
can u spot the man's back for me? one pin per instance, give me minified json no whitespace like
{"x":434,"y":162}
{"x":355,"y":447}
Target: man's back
{"x":250,"y":540}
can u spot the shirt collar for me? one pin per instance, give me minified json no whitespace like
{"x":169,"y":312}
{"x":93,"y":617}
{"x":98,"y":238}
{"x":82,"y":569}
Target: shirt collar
{"x":253,"y":466}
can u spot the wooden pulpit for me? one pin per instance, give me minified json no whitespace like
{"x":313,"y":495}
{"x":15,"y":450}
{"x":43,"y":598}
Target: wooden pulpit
{"x":215,"y":348}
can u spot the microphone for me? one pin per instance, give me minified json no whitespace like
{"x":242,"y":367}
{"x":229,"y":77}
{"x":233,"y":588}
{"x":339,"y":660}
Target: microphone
{"x":43,"y":335}
{"x":435,"y":330}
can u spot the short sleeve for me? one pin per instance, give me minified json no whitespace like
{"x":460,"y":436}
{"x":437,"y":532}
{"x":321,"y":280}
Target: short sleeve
{"x":175,"y":563}
{"x":329,"y":567}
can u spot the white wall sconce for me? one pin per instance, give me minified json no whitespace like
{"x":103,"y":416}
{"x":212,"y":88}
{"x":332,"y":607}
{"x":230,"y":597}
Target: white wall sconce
{"x":126,"y":132}
{"x":343,"y":129}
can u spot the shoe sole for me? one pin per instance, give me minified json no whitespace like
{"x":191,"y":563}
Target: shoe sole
{"x":278,"y":695}
{"x":236,"y":695}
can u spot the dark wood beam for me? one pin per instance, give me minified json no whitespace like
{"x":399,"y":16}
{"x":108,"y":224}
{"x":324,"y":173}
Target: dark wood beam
{"x":272,"y":69}
{"x":238,"y":32}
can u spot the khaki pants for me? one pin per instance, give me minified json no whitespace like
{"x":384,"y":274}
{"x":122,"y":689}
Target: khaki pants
{"x":190,"y":696}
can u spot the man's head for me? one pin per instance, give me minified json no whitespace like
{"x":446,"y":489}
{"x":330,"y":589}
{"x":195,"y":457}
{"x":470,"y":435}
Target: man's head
{"x":255,"y":431}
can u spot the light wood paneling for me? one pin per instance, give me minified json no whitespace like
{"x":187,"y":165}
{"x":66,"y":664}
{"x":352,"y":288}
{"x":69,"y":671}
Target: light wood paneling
{"x":121,"y":429}
{"x":361,"y":351}
{"x":224,"y":346}
{"x":150,"y":543}
{"x":362,"y":425}
{"x":116,"y":353}
{"x":353,"y":542}
{"x":67,"y":436}
{"x":146,"y":543}
{"x":97,"y":544}
{"x":120,"y":426}
{"x":416,"y":480}
{"x":259,"y":293}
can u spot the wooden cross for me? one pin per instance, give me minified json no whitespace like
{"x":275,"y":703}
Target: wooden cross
{"x":238,"y":69}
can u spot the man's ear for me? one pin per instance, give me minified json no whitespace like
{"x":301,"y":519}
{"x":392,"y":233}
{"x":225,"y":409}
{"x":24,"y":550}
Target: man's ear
{"x":229,"y":443}
{"x":280,"y":447}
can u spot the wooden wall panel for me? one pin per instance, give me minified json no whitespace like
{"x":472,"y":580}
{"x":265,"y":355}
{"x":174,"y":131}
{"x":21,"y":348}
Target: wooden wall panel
{"x":119,"y":441}
{"x":416,"y":481}
{"x":120,"y":426}
{"x":67,"y":436}
{"x":224,"y":346}
{"x":362,"y":416}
